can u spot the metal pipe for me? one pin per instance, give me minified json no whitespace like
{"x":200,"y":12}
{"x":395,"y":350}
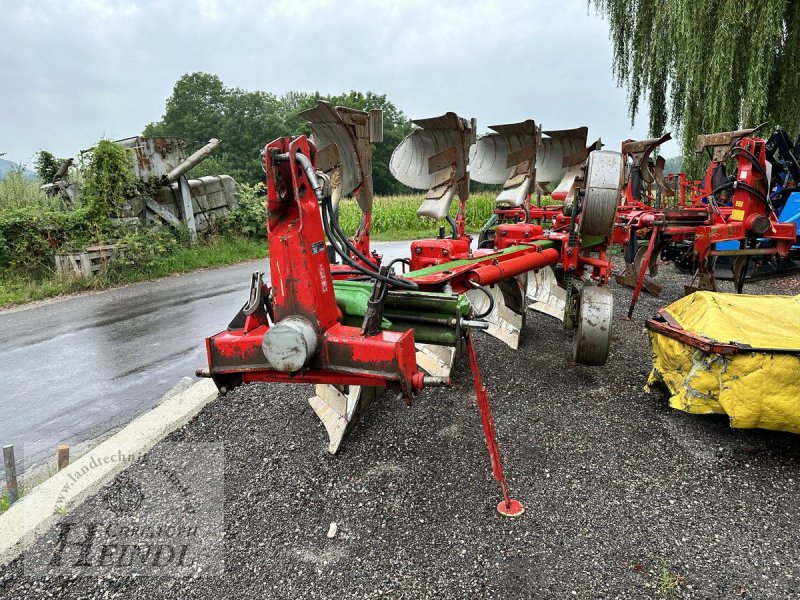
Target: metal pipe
{"x":192,"y":161}
{"x":432,"y":381}
{"x":495,"y":273}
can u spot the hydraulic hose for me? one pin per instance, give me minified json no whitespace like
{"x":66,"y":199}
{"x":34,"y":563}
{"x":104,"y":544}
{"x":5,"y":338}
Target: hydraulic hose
{"x":330,"y":218}
{"x":327,"y":219}
{"x":488,"y":311}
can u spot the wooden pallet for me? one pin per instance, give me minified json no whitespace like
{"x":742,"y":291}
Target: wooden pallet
{"x":90,"y":261}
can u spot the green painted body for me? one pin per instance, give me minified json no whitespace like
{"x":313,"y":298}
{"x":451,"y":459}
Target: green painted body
{"x":404,"y":310}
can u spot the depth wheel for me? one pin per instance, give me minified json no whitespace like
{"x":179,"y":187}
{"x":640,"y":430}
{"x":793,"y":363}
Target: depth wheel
{"x":603,"y":183}
{"x":592,"y":337}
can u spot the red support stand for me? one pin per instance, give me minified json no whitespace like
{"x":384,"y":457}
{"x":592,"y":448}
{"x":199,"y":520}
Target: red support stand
{"x":643,"y":267}
{"x":508,"y":507}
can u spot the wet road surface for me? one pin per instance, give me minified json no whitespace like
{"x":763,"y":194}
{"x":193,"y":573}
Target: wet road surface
{"x":75,"y":369}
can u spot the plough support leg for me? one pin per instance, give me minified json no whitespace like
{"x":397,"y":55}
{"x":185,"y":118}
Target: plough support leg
{"x":508,"y":506}
{"x":642,"y":272}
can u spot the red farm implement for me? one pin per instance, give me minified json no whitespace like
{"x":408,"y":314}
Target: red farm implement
{"x":691,"y":222}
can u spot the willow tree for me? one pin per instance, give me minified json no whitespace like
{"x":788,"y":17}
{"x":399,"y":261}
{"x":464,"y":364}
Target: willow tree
{"x":707,"y":65}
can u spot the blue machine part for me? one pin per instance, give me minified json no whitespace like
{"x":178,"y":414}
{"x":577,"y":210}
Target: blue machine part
{"x":731,"y":245}
{"x":790,"y":213}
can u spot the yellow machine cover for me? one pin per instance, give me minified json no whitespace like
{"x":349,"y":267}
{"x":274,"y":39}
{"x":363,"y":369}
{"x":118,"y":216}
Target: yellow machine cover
{"x":759,"y":386}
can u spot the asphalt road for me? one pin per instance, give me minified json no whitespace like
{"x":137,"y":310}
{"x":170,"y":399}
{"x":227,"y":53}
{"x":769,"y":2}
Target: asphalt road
{"x":77,"y":368}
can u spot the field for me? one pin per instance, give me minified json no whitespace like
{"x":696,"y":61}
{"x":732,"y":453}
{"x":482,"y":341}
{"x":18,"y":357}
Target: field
{"x":395,"y":217}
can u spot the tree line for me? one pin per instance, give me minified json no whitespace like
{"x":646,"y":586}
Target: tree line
{"x":201,"y":107}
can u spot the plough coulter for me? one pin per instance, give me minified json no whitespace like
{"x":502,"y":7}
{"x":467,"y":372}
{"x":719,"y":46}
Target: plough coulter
{"x":335,"y":316}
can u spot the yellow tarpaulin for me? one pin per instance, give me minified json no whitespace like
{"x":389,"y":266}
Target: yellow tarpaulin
{"x":755,"y":388}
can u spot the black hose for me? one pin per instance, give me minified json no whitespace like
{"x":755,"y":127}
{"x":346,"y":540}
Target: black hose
{"x":404,"y":261}
{"x":488,"y":311}
{"x":342,"y":236}
{"x":751,"y":157}
{"x":330,"y":218}
{"x":326,"y":223}
{"x":453,"y":226}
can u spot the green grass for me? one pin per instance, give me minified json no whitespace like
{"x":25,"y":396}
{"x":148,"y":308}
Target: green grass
{"x":21,"y":491}
{"x":217,"y":252}
{"x":396,"y":216}
{"x":668,"y":582}
{"x":16,"y":191}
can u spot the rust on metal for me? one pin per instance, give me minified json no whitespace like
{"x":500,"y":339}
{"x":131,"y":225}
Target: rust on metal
{"x":722,"y":142}
{"x":640,"y":151}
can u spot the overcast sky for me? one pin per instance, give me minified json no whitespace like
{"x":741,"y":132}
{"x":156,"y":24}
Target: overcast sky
{"x":73,"y":72}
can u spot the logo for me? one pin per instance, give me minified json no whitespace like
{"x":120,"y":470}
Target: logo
{"x":162,"y":515}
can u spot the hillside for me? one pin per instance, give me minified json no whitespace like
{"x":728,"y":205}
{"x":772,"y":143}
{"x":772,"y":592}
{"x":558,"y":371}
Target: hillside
{"x":7,"y":165}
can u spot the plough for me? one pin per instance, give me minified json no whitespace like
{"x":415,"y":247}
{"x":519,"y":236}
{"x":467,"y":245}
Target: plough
{"x":527,"y":160}
{"x":358,"y":329}
{"x":721,"y":209}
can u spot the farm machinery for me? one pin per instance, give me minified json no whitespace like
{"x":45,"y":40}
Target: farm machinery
{"x":360,"y":328}
{"x":526,"y":160}
{"x":694,"y":230}
{"x":514,"y":154}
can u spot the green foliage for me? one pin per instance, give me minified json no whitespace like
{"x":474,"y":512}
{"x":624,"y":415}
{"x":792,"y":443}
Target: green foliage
{"x":393,"y":217}
{"x":17,"y":191}
{"x":109,"y":180}
{"x":47,"y":165}
{"x":250,"y":218}
{"x":399,"y":213}
{"x":143,"y":248}
{"x":673,"y":164}
{"x":201,"y":107}
{"x":211,"y":252}
{"x":707,"y":66}
{"x":30,"y":237}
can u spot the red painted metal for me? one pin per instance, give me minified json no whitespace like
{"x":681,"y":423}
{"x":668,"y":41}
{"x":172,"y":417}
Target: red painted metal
{"x":508,"y":506}
{"x":701,"y":218}
{"x":426,"y":253}
{"x":511,"y":234}
{"x":510,"y":264}
{"x":642,"y":271}
{"x":498,"y":271}
{"x":676,"y":332}
{"x":302,"y":286}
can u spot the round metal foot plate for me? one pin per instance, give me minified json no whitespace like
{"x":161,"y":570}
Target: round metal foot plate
{"x":513,"y":509}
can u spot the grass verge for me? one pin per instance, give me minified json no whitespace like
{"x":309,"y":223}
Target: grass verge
{"x":216,"y":252}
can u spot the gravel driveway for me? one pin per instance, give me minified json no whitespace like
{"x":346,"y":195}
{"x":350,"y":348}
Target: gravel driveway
{"x":625,"y":497}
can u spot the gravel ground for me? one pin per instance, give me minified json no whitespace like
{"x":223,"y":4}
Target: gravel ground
{"x":625,"y":497}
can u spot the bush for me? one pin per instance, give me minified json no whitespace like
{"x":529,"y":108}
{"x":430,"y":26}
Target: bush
{"x":17,"y":191}
{"x":250,"y":218}
{"x":30,"y":237}
{"x":109,"y":181}
{"x":144,"y":247}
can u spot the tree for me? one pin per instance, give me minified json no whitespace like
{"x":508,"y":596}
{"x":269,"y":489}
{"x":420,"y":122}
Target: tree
{"x":201,"y":107}
{"x":707,"y":66}
{"x":47,"y":165}
{"x":195,"y":109}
